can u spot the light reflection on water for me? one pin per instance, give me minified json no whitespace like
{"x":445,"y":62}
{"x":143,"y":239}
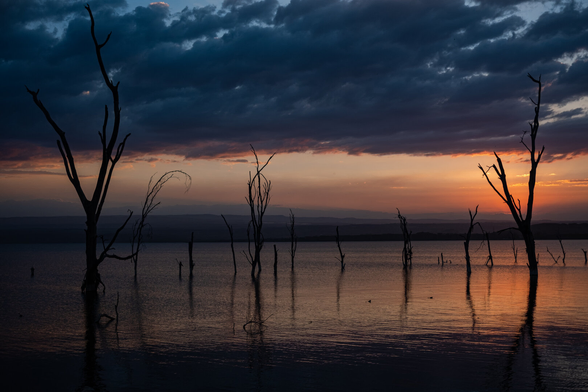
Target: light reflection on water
{"x":371,"y":327}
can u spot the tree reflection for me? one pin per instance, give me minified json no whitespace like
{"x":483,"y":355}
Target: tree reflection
{"x":525,"y":339}
{"x":339,"y":280}
{"x":470,"y":302}
{"x":406,"y":278}
{"x":233,"y":284}
{"x":489,"y":282}
{"x":90,"y":373}
{"x":258,"y":352}
{"x":293,"y":294}
{"x":275,"y":287}
{"x":191,"y":296}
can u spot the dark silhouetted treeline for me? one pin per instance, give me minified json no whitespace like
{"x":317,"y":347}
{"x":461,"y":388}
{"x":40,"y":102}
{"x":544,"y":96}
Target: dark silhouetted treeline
{"x":212,"y":228}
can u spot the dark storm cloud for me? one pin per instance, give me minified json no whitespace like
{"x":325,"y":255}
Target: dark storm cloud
{"x":364,"y":76}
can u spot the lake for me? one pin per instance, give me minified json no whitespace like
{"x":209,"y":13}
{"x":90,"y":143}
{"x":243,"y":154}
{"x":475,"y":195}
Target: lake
{"x":373,"y":327}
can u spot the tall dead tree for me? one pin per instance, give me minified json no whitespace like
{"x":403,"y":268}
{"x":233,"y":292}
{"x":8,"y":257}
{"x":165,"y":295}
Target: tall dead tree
{"x":232,"y":242}
{"x":258,"y":198}
{"x":585,"y":256}
{"x":111,"y":154}
{"x":523,"y":222}
{"x":407,"y":246}
{"x":293,"y":239}
{"x":149,"y":204}
{"x":466,"y":243}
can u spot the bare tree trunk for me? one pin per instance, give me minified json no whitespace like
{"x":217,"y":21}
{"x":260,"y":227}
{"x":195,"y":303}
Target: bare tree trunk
{"x":466,"y":243}
{"x":293,"y":239}
{"x":531,"y":253}
{"x":523,"y":223}
{"x":232,"y":246}
{"x":341,"y":257}
{"x":407,"y":248}
{"x":90,"y":283}
{"x":585,"y":256}
{"x":490,"y":259}
{"x":275,"y":260}
{"x":555,"y":260}
{"x":515,"y":251}
{"x":563,"y":251}
{"x":180,"y":265}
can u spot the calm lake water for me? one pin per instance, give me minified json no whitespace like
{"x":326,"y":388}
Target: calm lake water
{"x":373,"y":327}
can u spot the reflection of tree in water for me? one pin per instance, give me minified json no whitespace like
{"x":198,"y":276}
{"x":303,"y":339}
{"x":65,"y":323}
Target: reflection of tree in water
{"x":293,"y":294}
{"x":470,"y":303}
{"x":255,"y":328}
{"x":275,"y":288}
{"x":339,"y":280}
{"x":91,"y":371}
{"x":489,"y":282}
{"x":406,"y":278}
{"x":525,"y":339}
{"x":191,"y":296}
{"x":234,"y":282}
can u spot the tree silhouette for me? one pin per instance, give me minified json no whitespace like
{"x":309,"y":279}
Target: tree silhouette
{"x":232,"y":246}
{"x":523,"y":222}
{"x":110,"y":157}
{"x":293,"y":239}
{"x":407,"y":245}
{"x":466,"y":243}
{"x":341,"y":257}
{"x":149,"y":204}
{"x":258,"y":197}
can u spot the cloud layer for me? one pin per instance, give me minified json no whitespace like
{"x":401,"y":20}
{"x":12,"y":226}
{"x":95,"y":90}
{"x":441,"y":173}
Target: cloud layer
{"x":363,"y":76}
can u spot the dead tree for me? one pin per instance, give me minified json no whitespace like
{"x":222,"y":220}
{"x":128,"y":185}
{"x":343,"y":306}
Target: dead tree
{"x":523,"y":222}
{"x":466,"y":243}
{"x":489,"y":260}
{"x":180,"y":265}
{"x":275,"y":260}
{"x":149,"y":205}
{"x":341,"y":257}
{"x":442,"y":261}
{"x":258,"y":199}
{"x":112,"y":151}
{"x":293,"y":239}
{"x":407,"y":247}
{"x":585,"y":257}
{"x":563,"y":251}
{"x":232,"y":242}
{"x":190,"y":256}
{"x":515,"y":250}
{"x":555,"y":260}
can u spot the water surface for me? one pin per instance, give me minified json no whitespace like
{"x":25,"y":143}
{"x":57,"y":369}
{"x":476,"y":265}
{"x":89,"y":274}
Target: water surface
{"x":372,"y":327}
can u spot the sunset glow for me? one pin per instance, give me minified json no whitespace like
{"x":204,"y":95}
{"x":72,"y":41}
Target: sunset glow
{"x":382,"y":116}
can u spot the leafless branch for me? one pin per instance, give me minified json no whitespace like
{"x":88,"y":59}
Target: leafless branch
{"x":553,"y":257}
{"x":232,"y":246}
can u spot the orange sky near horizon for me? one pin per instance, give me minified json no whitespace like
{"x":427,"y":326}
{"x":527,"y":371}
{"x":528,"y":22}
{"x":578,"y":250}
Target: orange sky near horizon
{"x":415,"y":184}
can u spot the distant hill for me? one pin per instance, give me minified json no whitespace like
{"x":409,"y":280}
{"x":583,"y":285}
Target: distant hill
{"x":211,"y":228}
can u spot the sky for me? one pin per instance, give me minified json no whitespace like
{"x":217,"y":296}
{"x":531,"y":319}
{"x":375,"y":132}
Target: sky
{"x":369,"y":105}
